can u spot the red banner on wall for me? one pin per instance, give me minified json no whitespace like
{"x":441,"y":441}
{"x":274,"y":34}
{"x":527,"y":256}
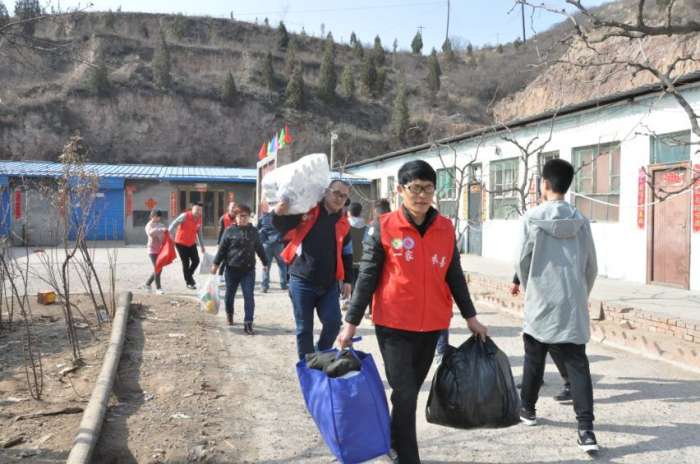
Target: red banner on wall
{"x":18,"y":204}
{"x":129,"y":206}
{"x":173,"y":204}
{"x":696,"y":198}
{"x":641,"y":198}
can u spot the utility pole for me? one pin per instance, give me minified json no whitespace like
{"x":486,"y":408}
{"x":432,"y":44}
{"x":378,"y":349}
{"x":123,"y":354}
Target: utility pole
{"x":522,"y":11}
{"x":420,"y":29}
{"x":334,"y":137}
{"x":447,"y":30}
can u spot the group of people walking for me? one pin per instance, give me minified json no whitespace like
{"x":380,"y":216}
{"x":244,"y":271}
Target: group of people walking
{"x":404,"y":266}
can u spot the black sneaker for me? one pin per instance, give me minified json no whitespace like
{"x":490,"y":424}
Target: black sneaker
{"x":192,"y":286}
{"x":564,"y":395}
{"x":587,"y":442}
{"x":229,"y":319}
{"x":528,"y":417}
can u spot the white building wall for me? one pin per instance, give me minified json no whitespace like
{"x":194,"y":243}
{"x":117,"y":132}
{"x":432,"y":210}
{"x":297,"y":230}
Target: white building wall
{"x":621,"y":246}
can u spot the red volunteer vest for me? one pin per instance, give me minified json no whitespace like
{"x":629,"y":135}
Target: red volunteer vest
{"x":187,"y":232}
{"x":297,"y":235}
{"x":412,"y":293}
{"x":228,"y":221}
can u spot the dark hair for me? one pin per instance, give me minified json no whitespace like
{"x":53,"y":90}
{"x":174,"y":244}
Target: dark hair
{"x":198,"y":203}
{"x":559,"y":173}
{"x":340,"y":181}
{"x":382,"y":206}
{"x":245,"y":209}
{"x":156,"y":213}
{"x":417,"y":169}
{"x":355,"y":209}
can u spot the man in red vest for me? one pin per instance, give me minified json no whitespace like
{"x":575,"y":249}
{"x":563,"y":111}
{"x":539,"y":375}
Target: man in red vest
{"x":188,"y":235}
{"x":319,"y":254}
{"x":411,"y":270}
{"x":227,"y":220}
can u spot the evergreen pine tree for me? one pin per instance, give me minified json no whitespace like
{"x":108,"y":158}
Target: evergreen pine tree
{"x":380,"y":83}
{"x":4,"y":15}
{"x":282,"y":36}
{"x":447,"y":50}
{"x":369,"y":75}
{"x":329,"y":79}
{"x":358,"y":50}
{"x":268,"y":72}
{"x":353,"y":38}
{"x":499,"y":49}
{"x":378,"y":51}
{"x":470,"y":49}
{"x":347,"y":82}
{"x":229,"y":91}
{"x":161,"y":64}
{"x":399,"y":114}
{"x":294,"y":95}
{"x":417,"y":44}
{"x":290,"y":58}
{"x":25,"y":10}
{"x":395,"y":49}
{"x":434,"y":71}
{"x":99,"y":80}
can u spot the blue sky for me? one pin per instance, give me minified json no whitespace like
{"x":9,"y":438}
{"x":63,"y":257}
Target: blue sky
{"x":477,"y":21}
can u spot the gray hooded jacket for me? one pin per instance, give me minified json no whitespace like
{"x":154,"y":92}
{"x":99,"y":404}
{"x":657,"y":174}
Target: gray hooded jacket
{"x":556,"y":265}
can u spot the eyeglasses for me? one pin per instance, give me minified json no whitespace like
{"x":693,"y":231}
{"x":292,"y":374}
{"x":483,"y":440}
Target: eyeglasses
{"x":340,"y":195}
{"x":418,"y":189}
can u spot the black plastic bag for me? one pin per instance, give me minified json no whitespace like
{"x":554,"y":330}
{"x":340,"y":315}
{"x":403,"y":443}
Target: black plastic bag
{"x":473,"y":387}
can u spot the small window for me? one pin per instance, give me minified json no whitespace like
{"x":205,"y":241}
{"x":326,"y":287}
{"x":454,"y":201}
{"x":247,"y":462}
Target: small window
{"x":670,"y":148}
{"x":546,"y":156}
{"x":446,"y":184}
{"x":474,"y":174}
{"x":141,"y":217}
{"x":504,"y":182}
{"x":598,"y":178}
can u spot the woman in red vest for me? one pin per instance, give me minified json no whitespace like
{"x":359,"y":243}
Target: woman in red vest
{"x":411,"y":271}
{"x":188,"y":235}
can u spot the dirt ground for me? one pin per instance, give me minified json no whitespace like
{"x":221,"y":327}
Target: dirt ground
{"x":191,"y":389}
{"x":47,"y":438}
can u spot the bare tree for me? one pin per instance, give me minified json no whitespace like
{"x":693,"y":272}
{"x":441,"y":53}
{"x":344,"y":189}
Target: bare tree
{"x":597,"y":34}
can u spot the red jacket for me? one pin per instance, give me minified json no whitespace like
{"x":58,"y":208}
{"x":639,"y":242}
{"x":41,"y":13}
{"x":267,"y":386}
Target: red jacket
{"x":412,"y":293}
{"x":188,"y":229}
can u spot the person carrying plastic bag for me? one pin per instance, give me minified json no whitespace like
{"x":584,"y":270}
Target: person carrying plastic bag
{"x":350,"y":411}
{"x":209,"y":296}
{"x":473,"y":387}
{"x":410,"y":267}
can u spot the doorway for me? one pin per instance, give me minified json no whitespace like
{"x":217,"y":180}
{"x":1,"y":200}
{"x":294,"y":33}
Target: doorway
{"x":474,"y":219}
{"x":669,"y":227}
{"x":214,"y":202}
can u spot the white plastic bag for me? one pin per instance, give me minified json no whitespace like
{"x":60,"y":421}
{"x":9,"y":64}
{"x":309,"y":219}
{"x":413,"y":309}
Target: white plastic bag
{"x":205,"y":264}
{"x":209,"y":296}
{"x":302,"y":183}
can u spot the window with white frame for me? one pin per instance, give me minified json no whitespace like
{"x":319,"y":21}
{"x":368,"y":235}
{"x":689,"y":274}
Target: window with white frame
{"x":446,"y":184}
{"x":545,"y":156}
{"x":670,"y":148}
{"x":597,"y":181}
{"x":503,"y":175}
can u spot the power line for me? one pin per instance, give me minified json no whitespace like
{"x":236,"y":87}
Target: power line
{"x":331,"y":10}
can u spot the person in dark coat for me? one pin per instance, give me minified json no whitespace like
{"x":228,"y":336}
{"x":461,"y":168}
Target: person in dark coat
{"x":237,"y":249}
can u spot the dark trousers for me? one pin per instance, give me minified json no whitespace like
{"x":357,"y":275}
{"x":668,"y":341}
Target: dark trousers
{"x":407,"y":359}
{"x":190,"y":260}
{"x":573,"y":358}
{"x":246,"y":279}
{"x":154,"y":276}
{"x":443,"y":341}
{"x":306,"y":297}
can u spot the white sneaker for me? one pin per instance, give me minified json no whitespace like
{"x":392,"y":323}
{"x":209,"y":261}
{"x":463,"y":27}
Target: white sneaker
{"x":160,"y":291}
{"x":144,"y":287}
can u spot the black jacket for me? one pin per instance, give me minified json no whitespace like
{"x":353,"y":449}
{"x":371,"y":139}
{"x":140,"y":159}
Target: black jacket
{"x":317,"y":262}
{"x":372,"y":264}
{"x":268,"y":233}
{"x":238,"y":248}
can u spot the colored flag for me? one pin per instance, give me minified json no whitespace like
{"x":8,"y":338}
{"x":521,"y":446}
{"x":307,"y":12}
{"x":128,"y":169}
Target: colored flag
{"x":263,"y":152}
{"x":273,"y":143}
{"x":166,"y":255}
{"x":280,"y":139}
{"x":287,"y":135}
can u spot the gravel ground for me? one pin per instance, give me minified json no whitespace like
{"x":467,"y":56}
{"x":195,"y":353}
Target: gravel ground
{"x":647,"y":411}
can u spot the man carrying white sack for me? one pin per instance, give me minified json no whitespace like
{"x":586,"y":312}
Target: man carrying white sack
{"x":319,"y":255}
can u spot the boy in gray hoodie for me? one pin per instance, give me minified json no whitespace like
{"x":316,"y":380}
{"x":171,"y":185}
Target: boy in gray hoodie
{"x":556,"y":265}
